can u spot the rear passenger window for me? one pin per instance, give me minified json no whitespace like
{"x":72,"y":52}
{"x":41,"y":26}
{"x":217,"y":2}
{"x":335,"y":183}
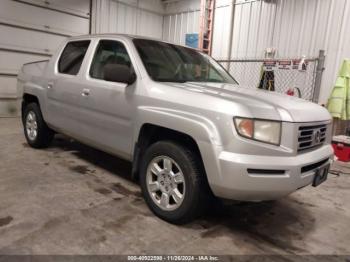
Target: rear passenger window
{"x":72,"y":57}
{"x":109,"y":52}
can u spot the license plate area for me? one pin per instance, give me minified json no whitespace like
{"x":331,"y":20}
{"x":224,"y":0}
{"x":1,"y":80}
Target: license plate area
{"x":320,"y":175}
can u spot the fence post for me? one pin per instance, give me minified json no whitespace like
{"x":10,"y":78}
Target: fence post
{"x":319,"y":71}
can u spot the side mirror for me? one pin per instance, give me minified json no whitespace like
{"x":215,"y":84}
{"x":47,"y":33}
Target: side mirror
{"x":119,"y":73}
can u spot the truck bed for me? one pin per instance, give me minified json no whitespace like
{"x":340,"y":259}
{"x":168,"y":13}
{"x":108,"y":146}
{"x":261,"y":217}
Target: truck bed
{"x":35,"y":68}
{"x":31,"y":74}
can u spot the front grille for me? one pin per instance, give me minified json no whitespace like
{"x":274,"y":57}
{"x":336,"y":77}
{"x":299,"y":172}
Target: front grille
{"x":311,"y":136}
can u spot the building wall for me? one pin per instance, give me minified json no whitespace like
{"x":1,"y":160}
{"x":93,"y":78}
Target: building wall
{"x":31,"y":30}
{"x":128,"y":16}
{"x":222,"y":29}
{"x":293,"y":27}
{"x":181,"y":18}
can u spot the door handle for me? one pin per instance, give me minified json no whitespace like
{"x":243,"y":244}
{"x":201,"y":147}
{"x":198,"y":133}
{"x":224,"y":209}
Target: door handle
{"x":49,"y":85}
{"x":85,"y":92}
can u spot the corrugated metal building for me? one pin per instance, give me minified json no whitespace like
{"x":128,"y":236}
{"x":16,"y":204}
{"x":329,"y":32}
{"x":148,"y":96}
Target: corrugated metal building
{"x":32,"y":29}
{"x":128,"y":17}
{"x":293,"y":27}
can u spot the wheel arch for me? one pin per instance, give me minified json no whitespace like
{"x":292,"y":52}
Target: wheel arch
{"x":151,"y":133}
{"x":27,"y":99}
{"x":196,"y":129}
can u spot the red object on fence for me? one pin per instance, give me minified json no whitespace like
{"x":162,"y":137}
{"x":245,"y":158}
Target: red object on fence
{"x":290,"y":92}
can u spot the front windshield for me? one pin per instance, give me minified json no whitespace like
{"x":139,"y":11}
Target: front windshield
{"x":172,"y":63}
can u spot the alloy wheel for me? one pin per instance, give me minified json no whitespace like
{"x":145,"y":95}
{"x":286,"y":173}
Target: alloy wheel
{"x":165,"y":183}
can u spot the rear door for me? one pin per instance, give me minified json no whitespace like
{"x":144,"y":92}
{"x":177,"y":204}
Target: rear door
{"x":65,"y":88}
{"x":108,"y":107}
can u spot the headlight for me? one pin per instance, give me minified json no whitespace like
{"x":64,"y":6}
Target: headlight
{"x":261,"y":130}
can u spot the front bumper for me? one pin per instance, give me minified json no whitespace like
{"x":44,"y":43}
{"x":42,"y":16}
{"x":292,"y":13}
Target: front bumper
{"x":236,"y":183}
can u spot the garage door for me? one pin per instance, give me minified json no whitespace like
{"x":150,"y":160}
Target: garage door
{"x":31,"y":30}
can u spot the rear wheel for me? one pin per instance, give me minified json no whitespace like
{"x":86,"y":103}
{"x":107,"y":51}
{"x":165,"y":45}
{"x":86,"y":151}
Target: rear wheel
{"x":37,"y":133}
{"x":172,"y":182}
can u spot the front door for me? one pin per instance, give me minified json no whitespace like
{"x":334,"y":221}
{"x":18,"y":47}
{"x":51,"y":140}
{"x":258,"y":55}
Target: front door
{"x":108,"y":108}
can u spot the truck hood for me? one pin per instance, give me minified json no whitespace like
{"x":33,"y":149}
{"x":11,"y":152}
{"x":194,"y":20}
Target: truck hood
{"x":262,"y":103}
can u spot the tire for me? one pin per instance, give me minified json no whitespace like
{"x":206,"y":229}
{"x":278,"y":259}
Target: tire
{"x":194,"y":189}
{"x":37,"y":133}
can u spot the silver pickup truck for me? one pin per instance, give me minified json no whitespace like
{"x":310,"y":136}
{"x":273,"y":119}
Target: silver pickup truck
{"x":191,"y":132}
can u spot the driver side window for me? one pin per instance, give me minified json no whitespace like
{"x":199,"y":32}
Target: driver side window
{"x":109,"y":52}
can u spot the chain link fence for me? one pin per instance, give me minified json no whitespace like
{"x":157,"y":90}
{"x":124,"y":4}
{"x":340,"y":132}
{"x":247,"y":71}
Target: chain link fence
{"x":291,"y":76}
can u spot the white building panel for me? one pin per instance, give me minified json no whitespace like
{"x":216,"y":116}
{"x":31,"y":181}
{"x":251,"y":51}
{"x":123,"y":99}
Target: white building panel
{"x":13,"y":61}
{"x":128,"y":17}
{"x":222,"y":20}
{"x":76,"y":7}
{"x":181,"y":18}
{"x":31,"y":30}
{"x":27,"y":39}
{"x":176,"y":26}
{"x":29,"y":15}
{"x":183,"y":6}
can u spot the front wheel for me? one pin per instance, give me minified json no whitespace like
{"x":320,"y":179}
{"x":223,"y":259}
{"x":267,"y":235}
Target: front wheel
{"x":172,"y":182}
{"x":37,"y":133}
